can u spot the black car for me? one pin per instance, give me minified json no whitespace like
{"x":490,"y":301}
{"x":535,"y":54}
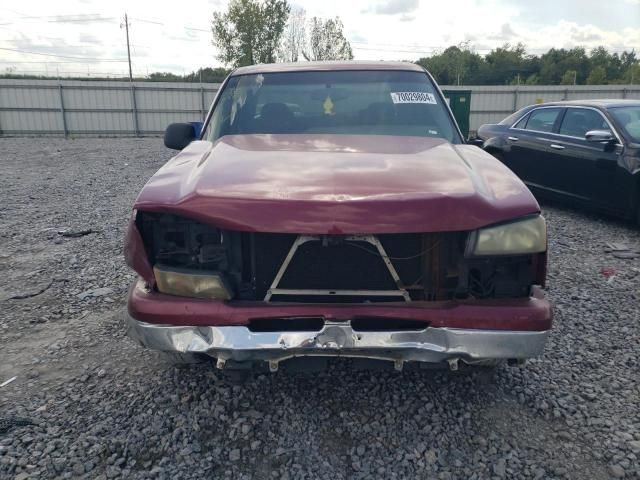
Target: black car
{"x":587,"y":152}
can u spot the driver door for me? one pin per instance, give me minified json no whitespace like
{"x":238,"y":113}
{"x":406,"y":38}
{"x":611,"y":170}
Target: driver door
{"x":529,"y":153}
{"x":587,"y":171}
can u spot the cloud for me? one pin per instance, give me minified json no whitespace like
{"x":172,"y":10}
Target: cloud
{"x":470,"y":37}
{"x":506,"y":33}
{"x":54,"y":46}
{"x":357,"y":37}
{"x":565,"y":34}
{"x":89,"y":38}
{"x":610,"y":15}
{"x":393,"y":7}
{"x":585,"y":34}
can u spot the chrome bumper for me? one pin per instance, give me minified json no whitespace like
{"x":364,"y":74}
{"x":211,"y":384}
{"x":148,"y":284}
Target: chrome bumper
{"x":433,"y":345}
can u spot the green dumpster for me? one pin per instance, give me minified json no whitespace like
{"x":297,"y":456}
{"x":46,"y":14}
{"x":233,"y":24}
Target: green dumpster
{"x":460,"y":103}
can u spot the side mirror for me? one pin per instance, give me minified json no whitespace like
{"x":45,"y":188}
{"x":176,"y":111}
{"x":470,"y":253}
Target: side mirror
{"x":179,"y":135}
{"x":599,"y":136}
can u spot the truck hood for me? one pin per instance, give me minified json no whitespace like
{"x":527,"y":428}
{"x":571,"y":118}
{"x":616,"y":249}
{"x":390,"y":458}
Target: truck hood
{"x":337,"y":184}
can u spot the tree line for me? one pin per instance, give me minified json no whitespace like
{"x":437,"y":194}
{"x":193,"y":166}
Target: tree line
{"x":512,"y":65}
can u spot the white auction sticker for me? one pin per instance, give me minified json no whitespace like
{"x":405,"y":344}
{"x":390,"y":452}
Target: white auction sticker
{"x":413,"y":97}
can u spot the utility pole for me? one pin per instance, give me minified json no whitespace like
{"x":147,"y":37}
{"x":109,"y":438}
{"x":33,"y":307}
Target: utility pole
{"x":134,"y":108}
{"x":126,"y":27}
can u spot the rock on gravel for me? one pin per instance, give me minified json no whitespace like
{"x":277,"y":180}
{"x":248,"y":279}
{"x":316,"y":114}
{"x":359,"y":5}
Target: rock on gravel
{"x":106,"y":408}
{"x":616,"y":471}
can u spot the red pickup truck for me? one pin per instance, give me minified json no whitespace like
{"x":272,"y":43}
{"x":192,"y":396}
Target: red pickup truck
{"x":334,"y":209}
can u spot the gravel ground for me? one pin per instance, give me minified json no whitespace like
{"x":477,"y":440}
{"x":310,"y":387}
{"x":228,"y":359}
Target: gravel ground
{"x":105,"y":408}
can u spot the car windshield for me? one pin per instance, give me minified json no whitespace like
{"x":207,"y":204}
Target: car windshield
{"x":628,"y":118}
{"x":370,"y":102}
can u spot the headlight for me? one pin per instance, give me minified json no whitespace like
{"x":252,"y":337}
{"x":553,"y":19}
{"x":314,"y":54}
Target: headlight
{"x":519,"y":237}
{"x":191,"y":283}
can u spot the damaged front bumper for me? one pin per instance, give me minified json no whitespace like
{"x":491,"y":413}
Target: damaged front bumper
{"x":471,"y":332}
{"x":432,"y":344}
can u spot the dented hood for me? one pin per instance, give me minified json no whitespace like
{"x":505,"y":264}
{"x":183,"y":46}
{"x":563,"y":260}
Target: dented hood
{"x":337,"y":184}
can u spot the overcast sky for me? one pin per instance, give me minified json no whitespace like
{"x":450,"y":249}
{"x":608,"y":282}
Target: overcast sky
{"x":175,"y":36}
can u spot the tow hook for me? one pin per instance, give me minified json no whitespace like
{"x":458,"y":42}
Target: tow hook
{"x":453,"y":364}
{"x":273,"y":366}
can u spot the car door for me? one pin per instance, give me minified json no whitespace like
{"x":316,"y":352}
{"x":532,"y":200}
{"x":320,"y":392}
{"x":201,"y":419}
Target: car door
{"x":584,"y":170}
{"x":528,"y":144}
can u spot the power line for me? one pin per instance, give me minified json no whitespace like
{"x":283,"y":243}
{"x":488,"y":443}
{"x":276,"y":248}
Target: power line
{"x":154,"y":22}
{"x":87,"y":20}
{"x":62,"y":56}
{"x":65,"y":72}
{"x":37,"y":61}
{"x":13,"y":11}
{"x":73,"y":18}
{"x":24,"y":15}
{"x":86,"y":45}
{"x":146,"y":21}
{"x":66,"y":45}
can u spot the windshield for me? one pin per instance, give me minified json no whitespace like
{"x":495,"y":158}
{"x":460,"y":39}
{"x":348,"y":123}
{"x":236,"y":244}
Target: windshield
{"x":337,"y":102}
{"x":628,"y":118}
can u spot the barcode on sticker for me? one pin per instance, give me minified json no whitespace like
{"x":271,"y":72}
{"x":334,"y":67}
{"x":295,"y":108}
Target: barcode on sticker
{"x":413,"y":97}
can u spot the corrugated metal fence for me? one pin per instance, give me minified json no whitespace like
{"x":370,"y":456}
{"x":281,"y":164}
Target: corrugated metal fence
{"x":67,"y":107}
{"x":35,"y":107}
